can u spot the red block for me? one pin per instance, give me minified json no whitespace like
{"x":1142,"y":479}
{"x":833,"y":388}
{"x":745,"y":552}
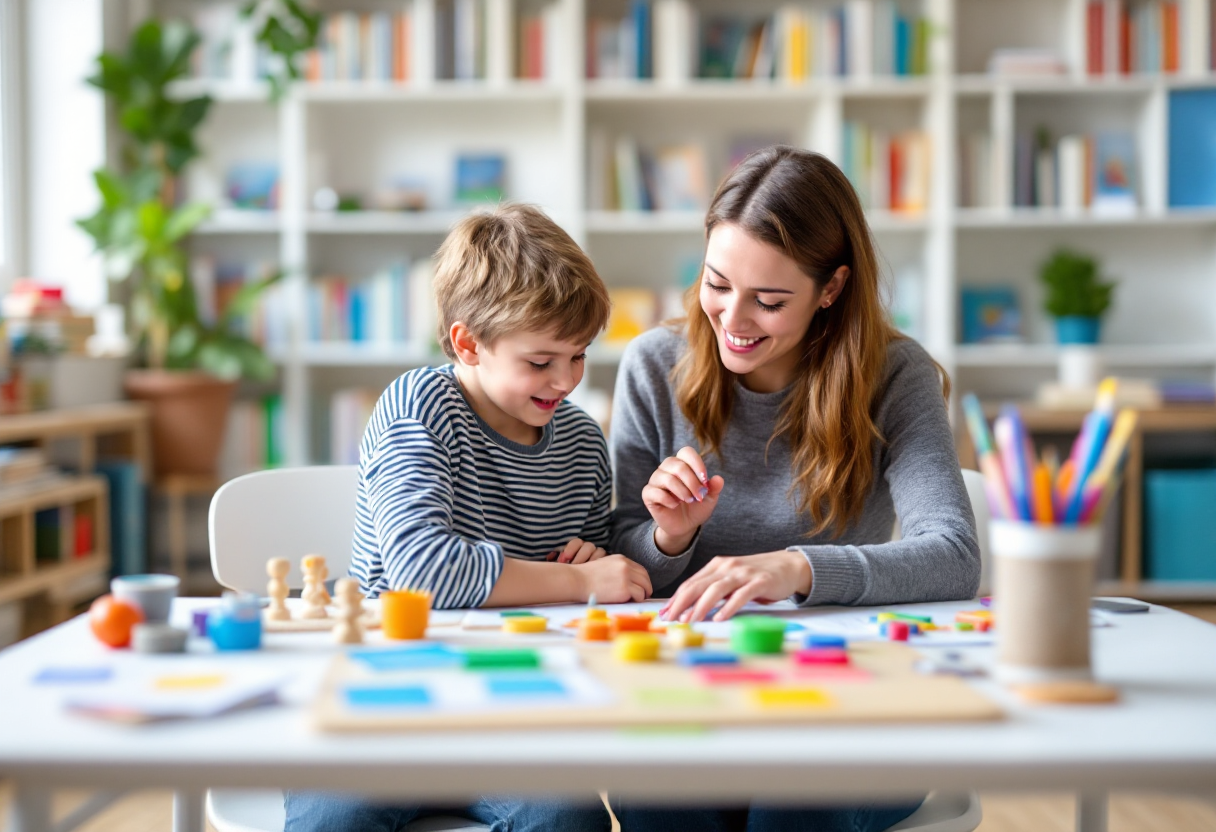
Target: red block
{"x":822,"y":655}
{"x":898,"y":630}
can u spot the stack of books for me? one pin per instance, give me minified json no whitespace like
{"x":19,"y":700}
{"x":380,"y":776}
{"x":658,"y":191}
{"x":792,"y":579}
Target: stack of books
{"x":1078,"y":172}
{"x":253,"y":440}
{"x":622,"y":47}
{"x":392,"y":306}
{"x":1122,"y":38}
{"x":217,"y":282}
{"x":362,"y":46}
{"x":625,"y":176}
{"x":889,"y":171}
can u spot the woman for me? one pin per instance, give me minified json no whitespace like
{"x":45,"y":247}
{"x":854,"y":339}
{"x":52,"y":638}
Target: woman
{"x":763,"y":449}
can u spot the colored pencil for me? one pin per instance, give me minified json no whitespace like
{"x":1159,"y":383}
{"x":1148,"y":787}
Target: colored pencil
{"x":1106,"y":470}
{"x":1043,"y":511}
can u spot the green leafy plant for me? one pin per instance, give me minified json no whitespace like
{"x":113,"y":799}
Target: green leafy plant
{"x":288,"y":30}
{"x":1073,"y":286}
{"x":140,"y":230}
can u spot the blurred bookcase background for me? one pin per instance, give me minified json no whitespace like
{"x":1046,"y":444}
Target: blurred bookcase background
{"x":981,"y":135}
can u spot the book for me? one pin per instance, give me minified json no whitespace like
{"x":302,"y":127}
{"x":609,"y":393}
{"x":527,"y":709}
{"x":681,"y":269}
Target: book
{"x":681,"y":178}
{"x":128,"y":516}
{"x":1114,"y":173}
{"x":990,"y":315}
{"x":253,"y":186}
{"x":633,"y":312}
{"x":480,"y":177}
{"x":1192,"y":148}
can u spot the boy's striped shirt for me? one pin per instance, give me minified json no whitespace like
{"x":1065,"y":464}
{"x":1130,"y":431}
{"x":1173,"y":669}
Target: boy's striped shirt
{"x":442,"y":497}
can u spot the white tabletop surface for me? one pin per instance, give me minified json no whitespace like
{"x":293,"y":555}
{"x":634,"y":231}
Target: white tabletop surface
{"x":1161,"y":735}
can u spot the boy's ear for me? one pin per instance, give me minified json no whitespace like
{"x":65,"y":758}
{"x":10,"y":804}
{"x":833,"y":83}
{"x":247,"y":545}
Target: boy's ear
{"x":464,"y":344}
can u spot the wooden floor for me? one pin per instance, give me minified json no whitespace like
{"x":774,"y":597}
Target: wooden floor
{"x":152,"y":811}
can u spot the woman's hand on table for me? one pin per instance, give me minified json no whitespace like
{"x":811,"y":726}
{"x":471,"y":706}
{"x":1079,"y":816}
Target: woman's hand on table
{"x":733,"y":581}
{"x":680,"y":496}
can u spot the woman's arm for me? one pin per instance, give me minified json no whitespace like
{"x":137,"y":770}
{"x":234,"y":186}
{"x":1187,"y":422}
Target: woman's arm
{"x":938,"y":558}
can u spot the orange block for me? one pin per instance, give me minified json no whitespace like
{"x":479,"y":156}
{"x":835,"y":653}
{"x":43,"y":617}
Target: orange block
{"x":594,"y":629}
{"x":632,"y":623}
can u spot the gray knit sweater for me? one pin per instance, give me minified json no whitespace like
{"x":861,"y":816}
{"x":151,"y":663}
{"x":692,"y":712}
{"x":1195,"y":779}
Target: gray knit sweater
{"x":916,"y":472}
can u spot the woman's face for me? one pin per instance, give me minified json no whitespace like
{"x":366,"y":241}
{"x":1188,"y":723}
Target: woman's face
{"x":760,"y":304}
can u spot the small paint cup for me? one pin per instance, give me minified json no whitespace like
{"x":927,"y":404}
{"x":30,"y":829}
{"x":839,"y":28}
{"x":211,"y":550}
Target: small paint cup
{"x":404,"y":613}
{"x":153,"y":594}
{"x":1044,"y":579}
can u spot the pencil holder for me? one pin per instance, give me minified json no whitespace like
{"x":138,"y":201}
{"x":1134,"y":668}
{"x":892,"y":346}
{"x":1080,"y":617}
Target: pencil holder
{"x":1044,"y":579}
{"x":404,"y":613}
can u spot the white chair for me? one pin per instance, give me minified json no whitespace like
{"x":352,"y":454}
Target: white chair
{"x":291,"y":512}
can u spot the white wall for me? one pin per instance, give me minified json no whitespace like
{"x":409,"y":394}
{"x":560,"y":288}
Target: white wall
{"x":64,"y":144}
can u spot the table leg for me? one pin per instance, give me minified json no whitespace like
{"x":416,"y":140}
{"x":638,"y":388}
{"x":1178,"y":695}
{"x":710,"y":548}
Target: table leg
{"x":30,"y":810}
{"x":1091,"y":811}
{"x":188,"y":810}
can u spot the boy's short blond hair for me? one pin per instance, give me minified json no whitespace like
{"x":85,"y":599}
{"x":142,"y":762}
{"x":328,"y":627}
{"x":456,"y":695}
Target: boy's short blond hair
{"x":512,"y":269}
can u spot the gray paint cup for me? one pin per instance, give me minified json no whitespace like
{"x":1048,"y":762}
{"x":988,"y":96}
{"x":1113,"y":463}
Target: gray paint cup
{"x":153,"y":594}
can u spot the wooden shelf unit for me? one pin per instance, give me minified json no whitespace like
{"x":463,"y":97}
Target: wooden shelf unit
{"x":1174,"y":419}
{"x":111,"y":430}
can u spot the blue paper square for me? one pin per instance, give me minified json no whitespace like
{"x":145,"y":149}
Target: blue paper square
{"x":73,"y":675}
{"x":697,"y":658}
{"x":500,"y":685}
{"x":424,"y":657}
{"x":414,"y":696}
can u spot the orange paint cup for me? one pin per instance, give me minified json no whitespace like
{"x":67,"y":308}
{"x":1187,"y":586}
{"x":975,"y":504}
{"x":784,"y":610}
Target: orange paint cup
{"x":404,"y":613}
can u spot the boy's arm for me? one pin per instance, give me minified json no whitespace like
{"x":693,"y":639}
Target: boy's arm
{"x":411,"y":496}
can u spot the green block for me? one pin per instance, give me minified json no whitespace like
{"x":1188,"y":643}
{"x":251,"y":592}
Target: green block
{"x":501,"y":659}
{"x":918,"y":619}
{"x":517,"y":614}
{"x":757,"y":634}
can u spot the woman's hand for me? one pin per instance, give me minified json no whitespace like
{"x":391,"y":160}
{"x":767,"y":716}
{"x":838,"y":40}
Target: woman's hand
{"x":680,"y":497}
{"x":577,"y":551}
{"x":767,"y":577}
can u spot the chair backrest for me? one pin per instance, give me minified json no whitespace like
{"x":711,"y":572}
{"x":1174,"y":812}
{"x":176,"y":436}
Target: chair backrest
{"x":284,"y":513}
{"x":974,"y":481}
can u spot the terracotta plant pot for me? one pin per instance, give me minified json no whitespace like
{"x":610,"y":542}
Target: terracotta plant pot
{"x":189,"y":414}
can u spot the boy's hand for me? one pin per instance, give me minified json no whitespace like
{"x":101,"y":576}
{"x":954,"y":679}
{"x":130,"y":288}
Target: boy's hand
{"x":577,"y":551}
{"x":613,"y":580}
{"x":680,"y":497}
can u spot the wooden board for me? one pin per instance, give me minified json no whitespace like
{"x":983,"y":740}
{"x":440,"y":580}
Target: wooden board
{"x":894,"y":693}
{"x":371,"y":621}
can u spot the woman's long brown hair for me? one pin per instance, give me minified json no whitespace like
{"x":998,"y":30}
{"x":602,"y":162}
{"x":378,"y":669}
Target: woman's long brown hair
{"x":801,"y":203}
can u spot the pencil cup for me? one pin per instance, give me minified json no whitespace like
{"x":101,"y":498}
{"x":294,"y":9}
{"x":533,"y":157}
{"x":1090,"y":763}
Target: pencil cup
{"x":1044,"y":579}
{"x":404,"y":613}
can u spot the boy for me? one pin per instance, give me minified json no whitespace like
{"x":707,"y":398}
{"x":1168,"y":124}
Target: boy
{"x":477,"y":481}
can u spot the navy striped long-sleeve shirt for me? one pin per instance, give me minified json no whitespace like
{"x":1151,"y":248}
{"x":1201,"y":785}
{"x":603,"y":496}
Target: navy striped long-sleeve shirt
{"x":443,"y":497}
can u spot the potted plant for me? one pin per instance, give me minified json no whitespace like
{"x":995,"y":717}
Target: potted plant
{"x":192,"y":366}
{"x":1076,"y":297}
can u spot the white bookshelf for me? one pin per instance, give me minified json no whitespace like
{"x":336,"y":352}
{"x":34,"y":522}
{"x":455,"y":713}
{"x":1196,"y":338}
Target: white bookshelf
{"x":361,"y":133}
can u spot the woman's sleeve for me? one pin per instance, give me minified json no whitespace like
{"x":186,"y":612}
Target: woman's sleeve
{"x":639,"y":402}
{"x":411,"y":497}
{"x":938,"y":558}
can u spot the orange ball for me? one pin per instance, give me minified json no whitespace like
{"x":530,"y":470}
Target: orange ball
{"x":112,"y":620}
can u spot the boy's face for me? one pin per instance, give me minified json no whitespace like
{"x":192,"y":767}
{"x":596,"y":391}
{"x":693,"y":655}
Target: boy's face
{"x":525,"y":376}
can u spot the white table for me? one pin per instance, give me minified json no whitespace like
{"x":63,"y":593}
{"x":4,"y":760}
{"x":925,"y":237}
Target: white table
{"x":1161,"y":737}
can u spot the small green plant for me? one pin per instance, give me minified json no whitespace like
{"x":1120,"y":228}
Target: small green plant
{"x":1073,"y":286}
{"x":139,"y":227}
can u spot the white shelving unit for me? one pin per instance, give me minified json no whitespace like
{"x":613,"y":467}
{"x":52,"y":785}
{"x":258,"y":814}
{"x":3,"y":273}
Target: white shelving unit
{"x":355,"y":135}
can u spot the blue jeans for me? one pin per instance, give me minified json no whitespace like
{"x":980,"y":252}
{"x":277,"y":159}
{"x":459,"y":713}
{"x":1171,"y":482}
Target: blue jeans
{"x":757,"y":818}
{"x":327,"y":812}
